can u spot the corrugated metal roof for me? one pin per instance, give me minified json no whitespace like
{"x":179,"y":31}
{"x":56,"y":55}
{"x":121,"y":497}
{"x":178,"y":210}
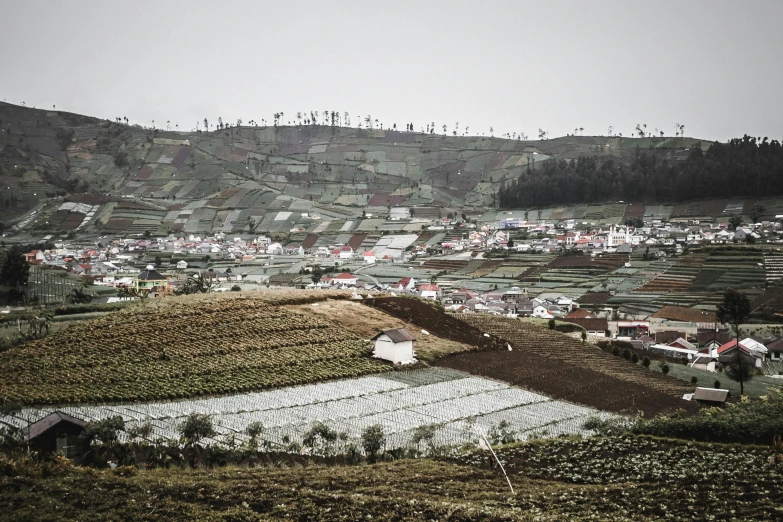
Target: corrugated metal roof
{"x":710,"y":394}
{"x":398,"y":335}
{"x":39,"y":427}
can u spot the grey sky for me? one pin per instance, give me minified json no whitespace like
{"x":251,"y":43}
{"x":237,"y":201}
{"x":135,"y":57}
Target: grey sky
{"x":517,"y":66}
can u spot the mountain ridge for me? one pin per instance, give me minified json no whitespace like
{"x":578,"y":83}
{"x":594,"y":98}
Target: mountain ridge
{"x":48,"y":156}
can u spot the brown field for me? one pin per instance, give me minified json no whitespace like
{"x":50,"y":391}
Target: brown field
{"x":635,"y":210}
{"x":606,"y":262}
{"x":564,"y":368}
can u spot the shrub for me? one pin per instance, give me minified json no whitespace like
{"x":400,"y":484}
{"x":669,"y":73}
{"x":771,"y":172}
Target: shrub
{"x":616,"y":351}
{"x":254,"y":430}
{"x":143,"y":431}
{"x":320,"y":438}
{"x":635,"y":358}
{"x":236,"y":288}
{"x":606,"y":427}
{"x":694,"y":379}
{"x":626,"y":354}
{"x":373,"y":441}
{"x":426,"y":434}
{"x":716,"y":384}
{"x":646,"y":362}
{"x":105,"y":430}
{"x":665,"y":369}
{"x":195,"y":427}
{"x":551,"y":324}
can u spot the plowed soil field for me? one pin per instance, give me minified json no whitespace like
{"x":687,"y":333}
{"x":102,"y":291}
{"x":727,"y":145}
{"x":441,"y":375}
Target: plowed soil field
{"x":562,"y":367}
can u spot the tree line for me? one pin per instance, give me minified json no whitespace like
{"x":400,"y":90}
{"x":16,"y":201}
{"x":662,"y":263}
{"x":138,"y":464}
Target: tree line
{"x":744,"y":166}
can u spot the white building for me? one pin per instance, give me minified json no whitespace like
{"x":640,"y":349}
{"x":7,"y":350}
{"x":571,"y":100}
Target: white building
{"x":369,"y":257}
{"x":395,"y":346}
{"x":346,"y":252}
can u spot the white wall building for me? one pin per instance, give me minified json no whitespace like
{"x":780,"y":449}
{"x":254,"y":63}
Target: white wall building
{"x":395,"y":346}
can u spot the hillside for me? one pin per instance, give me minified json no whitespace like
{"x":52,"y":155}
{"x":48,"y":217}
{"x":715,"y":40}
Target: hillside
{"x":638,"y":479}
{"x":182,"y":347}
{"x":260,"y":178}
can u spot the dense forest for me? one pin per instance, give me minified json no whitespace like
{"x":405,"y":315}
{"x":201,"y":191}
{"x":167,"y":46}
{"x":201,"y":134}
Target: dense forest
{"x":741,"y":167}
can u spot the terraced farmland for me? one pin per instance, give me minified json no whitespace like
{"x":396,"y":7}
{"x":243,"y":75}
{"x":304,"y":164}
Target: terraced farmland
{"x":456,"y":402}
{"x":560,"y":366}
{"x":181,"y":348}
{"x":444,"y":264}
{"x":677,"y":277}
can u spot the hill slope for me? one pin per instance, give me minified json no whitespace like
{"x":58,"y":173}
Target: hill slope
{"x":186,"y":346}
{"x":235,"y":178}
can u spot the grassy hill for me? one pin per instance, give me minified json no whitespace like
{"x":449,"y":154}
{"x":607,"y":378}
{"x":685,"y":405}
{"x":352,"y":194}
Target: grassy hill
{"x":257,"y":178}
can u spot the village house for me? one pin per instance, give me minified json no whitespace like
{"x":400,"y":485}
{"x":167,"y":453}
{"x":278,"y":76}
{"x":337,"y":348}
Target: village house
{"x":749,"y":347}
{"x":711,"y":337}
{"x":274,"y":248}
{"x":346,"y":252}
{"x":35,"y":257}
{"x":405,"y":284}
{"x":342,"y":279}
{"x":632,"y":329}
{"x":150,"y":280}
{"x":541,"y":311}
{"x":681,"y":343}
{"x":667,"y":336}
{"x":592,"y":325}
{"x":775,"y":349}
{"x":395,"y":346}
{"x":429,"y":291}
{"x":580,"y":313}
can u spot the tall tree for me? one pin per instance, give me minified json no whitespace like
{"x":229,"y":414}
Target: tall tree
{"x":15,"y":271}
{"x":734,"y":310}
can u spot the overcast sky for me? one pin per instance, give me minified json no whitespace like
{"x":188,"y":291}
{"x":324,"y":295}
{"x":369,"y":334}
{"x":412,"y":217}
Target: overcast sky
{"x":714,"y":66}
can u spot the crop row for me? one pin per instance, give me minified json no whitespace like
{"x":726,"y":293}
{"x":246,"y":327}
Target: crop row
{"x":207,"y":347}
{"x":460,"y":405}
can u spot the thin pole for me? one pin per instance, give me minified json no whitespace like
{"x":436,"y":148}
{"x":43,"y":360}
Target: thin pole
{"x":484,"y":437}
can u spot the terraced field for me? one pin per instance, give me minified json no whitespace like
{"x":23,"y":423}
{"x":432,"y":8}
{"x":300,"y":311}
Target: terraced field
{"x":183,"y":347}
{"x":560,"y":366}
{"x":677,"y":277}
{"x":458,"y":403}
{"x":444,"y":264}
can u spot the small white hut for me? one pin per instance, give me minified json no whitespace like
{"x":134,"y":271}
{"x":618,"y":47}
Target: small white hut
{"x":395,"y":346}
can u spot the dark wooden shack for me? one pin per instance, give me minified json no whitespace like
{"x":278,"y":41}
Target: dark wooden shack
{"x":57,"y":431}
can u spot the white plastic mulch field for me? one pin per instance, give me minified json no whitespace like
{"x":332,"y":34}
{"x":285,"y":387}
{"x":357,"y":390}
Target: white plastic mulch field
{"x":458,"y":403}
